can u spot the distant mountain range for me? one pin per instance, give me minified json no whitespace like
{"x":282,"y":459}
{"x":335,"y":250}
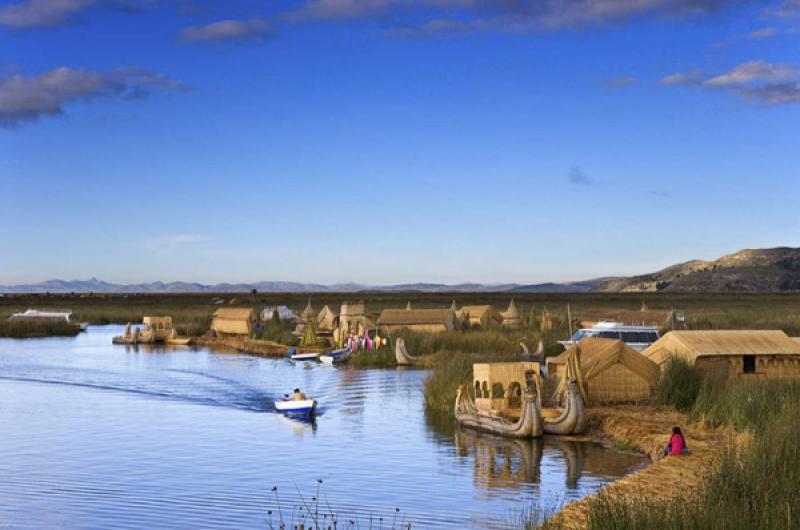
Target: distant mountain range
{"x":94,"y":285}
{"x":750,"y":270}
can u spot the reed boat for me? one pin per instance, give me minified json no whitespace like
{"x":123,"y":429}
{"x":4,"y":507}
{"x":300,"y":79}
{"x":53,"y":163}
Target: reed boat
{"x":571,"y":419}
{"x":401,"y":355}
{"x":528,"y":425}
{"x":128,"y":337}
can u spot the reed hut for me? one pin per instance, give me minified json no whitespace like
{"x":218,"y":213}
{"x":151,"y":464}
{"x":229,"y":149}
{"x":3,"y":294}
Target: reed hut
{"x":424,"y":320}
{"x":613,"y":372}
{"x":512,"y":319}
{"x":480,"y":316}
{"x":661,"y":319}
{"x":327,"y":321}
{"x":353,"y":319}
{"x":728,"y":355}
{"x":231,"y":321}
{"x":499,"y":386}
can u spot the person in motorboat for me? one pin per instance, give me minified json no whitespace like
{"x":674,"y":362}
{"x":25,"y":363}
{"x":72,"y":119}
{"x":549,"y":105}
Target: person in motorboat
{"x":298,"y":396}
{"x":676,"y":444}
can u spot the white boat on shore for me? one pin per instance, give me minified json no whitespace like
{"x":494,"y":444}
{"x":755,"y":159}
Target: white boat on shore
{"x":310,"y":356}
{"x":335,"y":357}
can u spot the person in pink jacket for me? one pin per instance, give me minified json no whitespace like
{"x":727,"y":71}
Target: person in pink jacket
{"x":676,"y":444}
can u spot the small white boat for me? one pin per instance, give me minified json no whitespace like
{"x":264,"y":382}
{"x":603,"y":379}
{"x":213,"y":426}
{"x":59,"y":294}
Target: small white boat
{"x":312,"y":356}
{"x":291,"y":407}
{"x":335,"y":357}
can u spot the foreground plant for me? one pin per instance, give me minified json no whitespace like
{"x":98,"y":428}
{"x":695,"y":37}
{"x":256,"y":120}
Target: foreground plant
{"x":315,"y":514}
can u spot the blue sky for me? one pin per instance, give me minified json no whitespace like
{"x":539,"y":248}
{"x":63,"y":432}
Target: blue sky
{"x":385,"y":141}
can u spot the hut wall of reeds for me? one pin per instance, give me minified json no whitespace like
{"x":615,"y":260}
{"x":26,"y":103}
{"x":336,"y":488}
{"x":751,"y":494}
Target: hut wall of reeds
{"x":728,"y":355}
{"x":481,"y":316}
{"x":661,"y":319}
{"x":423,"y":320}
{"x":613,"y":372}
{"x":234,"y":321}
{"x":512,"y":319}
{"x":499,"y":386}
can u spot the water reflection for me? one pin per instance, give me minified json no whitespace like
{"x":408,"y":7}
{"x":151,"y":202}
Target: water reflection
{"x":501,"y":462}
{"x":514,"y":464}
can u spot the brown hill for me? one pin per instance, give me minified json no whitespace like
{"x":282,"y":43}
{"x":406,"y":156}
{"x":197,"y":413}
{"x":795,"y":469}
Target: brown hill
{"x":749,"y":270}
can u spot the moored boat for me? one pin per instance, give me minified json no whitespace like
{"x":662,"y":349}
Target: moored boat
{"x":309,"y":356}
{"x":528,"y":425}
{"x":335,"y":357}
{"x":401,"y":355}
{"x":572,"y":418}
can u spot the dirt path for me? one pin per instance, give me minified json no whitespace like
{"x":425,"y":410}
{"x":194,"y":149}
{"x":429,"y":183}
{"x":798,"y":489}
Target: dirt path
{"x":647,"y":430}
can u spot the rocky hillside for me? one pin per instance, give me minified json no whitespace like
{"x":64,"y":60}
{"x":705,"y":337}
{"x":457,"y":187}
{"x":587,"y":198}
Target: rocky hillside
{"x":750,"y":270}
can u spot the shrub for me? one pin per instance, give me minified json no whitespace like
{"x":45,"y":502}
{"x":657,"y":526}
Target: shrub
{"x":679,"y":385}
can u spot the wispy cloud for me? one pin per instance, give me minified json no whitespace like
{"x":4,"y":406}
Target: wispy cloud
{"x":621,"y":81}
{"x":763,"y":33}
{"x":226,"y":31}
{"x":769,"y":83}
{"x":28,"y":98}
{"x":577,"y":177}
{"x":47,"y":13}
{"x":461,"y":16}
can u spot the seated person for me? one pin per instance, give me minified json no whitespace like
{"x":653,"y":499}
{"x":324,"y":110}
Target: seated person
{"x":676,"y":444}
{"x":297,"y":395}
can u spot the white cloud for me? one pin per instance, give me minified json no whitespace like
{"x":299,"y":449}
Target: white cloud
{"x":226,"y":30}
{"x":28,"y":98}
{"x":769,"y":83}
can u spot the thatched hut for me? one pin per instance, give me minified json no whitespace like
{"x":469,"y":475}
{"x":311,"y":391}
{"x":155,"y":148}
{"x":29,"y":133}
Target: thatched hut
{"x":481,"y":316}
{"x":512,"y":319}
{"x":728,"y":355}
{"x":327,"y":321}
{"x":353,"y":319}
{"x":613,"y":372}
{"x":234,"y":321}
{"x":425,"y":320}
{"x":499,"y":386}
{"x":661,"y":319}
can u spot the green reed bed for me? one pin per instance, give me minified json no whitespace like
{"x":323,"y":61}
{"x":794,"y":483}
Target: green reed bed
{"x":755,"y":488}
{"x":381,"y":358}
{"x":29,"y":328}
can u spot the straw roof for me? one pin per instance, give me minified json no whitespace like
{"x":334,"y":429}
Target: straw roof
{"x":326,"y":319}
{"x":598,"y":355}
{"x":415,"y":316}
{"x":512,"y":312}
{"x":642,"y":317}
{"x":234,"y":313}
{"x":690,"y":345}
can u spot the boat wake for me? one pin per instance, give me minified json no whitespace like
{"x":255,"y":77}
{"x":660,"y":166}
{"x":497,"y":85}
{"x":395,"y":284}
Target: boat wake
{"x":224,"y":393}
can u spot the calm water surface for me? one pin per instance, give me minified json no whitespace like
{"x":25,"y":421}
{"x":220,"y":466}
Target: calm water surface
{"x":102,"y":436}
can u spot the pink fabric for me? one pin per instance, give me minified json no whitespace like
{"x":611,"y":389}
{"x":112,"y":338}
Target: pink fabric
{"x":677,"y":445}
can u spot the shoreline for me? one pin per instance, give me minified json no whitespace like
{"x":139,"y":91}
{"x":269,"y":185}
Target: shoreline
{"x":646,"y":429}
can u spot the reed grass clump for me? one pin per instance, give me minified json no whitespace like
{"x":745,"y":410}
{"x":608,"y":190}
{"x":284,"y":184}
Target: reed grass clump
{"x":381,"y":358}
{"x":757,"y":487}
{"x":29,"y":328}
{"x":678,"y":385}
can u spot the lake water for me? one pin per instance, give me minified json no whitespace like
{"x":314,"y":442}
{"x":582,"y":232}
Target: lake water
{"x":102,"y":436}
